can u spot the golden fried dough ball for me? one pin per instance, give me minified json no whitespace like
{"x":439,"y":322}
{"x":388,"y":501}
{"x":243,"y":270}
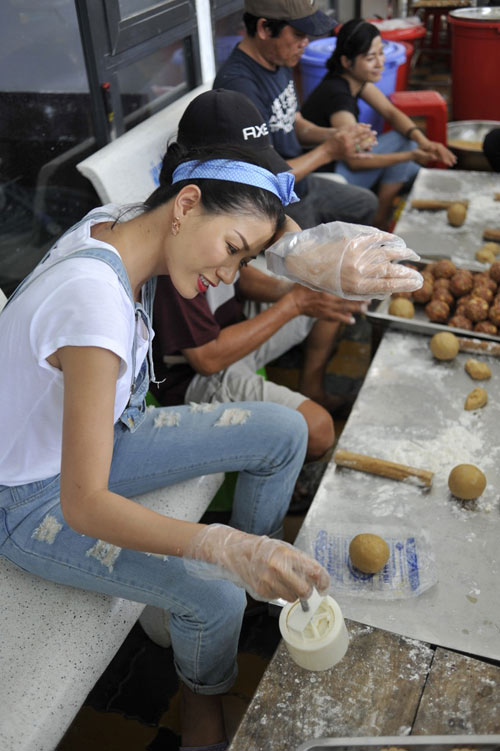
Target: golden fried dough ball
{"x":476,"y":309}
{"x":460,"y":322}
{"x":444,"y":268}
{"x":437,"y":311}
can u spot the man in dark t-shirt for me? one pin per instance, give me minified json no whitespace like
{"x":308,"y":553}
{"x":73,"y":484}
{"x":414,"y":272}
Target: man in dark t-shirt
{"x":184,"y":324}
{"x":261,"y":67}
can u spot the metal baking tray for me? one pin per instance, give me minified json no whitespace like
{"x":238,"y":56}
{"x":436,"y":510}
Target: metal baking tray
{"x":420,"y":324}
{"x":413,"y":742}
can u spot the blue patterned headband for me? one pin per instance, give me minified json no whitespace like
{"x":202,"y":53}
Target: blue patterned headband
{"x":240,"y":172}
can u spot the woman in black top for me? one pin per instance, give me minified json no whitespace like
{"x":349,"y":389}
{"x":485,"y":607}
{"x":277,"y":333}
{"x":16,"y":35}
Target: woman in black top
{"x":354,"y":68}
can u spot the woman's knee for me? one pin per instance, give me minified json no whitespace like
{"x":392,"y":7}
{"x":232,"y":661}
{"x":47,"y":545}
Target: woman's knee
{"x":282,"y":426}
{"x":321,"y":430}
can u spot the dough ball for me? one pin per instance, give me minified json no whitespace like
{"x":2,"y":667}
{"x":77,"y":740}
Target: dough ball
{"x":429,"y":268}
{"x":494,"y":314}
{"x":403,"y":295}
{"x":442,"y":283}
{"x":461,"y":303}
{"x":484,"y":255}
{"x":483,"y":291}
{"x":486,"y":327}
{"x":444,"y":346}
{"x":456,"y":214}
{"x":493,"y":247}
{"x":494,"y":271}
{"x":461,"y":282}
{"x":428,"y":276}
{"x":423,"y":294}
{"x":476,"y":309}
{"x":369,"y":553}
{"x":460,"y":322}
{"x":477,"y":398}
{"x":443,"y":294}
{"x":485,"y":279}
{"x":402,"y":308}
{"x":466,"y":481}
{"x":477,"y":369}
{"x":437,"y":311}
{"x":444,"y":269}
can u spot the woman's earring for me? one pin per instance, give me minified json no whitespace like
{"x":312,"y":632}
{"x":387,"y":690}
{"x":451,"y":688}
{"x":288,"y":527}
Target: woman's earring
{"x":176,"y":225}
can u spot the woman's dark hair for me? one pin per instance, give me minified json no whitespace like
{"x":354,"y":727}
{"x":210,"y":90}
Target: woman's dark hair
{"x":354,"y":38}
{"x":217,"y":196}
{"x":272,"y":24}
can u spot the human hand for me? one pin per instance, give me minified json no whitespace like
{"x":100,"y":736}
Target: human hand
{"x":325,"y":306}
{"x":352,"y":140}
{"x":349,"y":260}
{"x":422,"y":157}
{"x":265,"y":567}
{"x":440,"y":153}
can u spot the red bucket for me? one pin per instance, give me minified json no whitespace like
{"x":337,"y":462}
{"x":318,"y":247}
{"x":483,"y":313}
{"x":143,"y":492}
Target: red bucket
{"x":475,"y":63}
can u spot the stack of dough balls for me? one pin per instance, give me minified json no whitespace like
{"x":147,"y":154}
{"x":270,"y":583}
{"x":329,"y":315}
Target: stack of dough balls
{"x":368,"y":553}
{"x":458,"y":297}
{"x":466,"y":481}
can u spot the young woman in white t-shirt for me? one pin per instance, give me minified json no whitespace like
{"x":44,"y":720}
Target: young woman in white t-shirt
{"x":77,"y":444}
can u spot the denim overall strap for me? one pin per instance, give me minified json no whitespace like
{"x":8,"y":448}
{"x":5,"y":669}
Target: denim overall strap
{"x":32,"y":276}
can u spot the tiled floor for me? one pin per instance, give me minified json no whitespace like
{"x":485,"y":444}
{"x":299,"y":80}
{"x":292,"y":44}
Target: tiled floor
{"x":134,"y":706}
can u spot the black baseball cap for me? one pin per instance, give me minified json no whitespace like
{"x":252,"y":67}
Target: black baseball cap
{"x":303,"y":15}
{"x":221,"y":116}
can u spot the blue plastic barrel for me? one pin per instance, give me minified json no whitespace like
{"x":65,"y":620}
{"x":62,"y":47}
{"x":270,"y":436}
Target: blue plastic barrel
{"x":313,"y":68}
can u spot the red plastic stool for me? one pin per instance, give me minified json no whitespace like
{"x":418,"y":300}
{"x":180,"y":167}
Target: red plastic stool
{"x":428,"y":104}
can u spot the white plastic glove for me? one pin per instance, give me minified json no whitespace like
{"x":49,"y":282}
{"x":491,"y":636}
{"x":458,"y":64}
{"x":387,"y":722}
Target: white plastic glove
{"x":349,"y":260}
{"x":265,"y":567}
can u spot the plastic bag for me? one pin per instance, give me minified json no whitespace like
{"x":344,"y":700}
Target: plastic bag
{"x":410,"y":570}
{"x":350,"y":260}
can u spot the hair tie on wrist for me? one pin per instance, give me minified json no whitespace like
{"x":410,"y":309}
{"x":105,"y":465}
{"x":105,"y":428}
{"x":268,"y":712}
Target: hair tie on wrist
{"x":410,"y":130}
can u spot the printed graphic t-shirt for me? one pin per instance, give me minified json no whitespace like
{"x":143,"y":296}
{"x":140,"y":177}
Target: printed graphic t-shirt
{"x":274,"y":95}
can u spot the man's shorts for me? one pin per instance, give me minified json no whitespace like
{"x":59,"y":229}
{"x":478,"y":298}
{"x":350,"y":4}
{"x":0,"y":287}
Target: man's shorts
{"x":241,"y":383}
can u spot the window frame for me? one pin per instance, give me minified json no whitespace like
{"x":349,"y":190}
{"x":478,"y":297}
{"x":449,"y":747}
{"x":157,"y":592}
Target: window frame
{"x":111,"y":43}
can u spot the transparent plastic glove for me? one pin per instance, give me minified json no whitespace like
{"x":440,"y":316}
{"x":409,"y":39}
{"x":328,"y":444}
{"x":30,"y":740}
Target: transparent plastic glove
{"x":265,"y":567}
{"x":349,"y":260}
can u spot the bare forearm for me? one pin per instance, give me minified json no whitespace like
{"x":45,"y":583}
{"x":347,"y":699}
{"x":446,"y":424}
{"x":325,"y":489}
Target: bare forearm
{"x":122,"y":522}
{"x":310,"y":161}
{"x":236,"y":341}
{"x":310,"y":134}
{"x":261,"y":287}
{"x":374,"y":161}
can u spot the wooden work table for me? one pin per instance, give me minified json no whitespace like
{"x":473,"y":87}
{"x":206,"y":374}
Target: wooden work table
{"x":385,"y":685}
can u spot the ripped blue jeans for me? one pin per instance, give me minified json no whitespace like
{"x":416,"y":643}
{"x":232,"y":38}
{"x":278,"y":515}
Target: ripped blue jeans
{"x":265,"y":442}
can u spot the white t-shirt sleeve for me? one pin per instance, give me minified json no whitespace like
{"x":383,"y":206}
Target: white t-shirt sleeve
{"x":84,"y":311}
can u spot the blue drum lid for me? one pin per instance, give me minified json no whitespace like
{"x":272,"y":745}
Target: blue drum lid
{"x":318,"y":51}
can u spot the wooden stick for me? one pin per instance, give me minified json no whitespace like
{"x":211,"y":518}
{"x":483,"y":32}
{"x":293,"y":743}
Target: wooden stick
{"x":496,"y":196}
{"x":490,"y":233}
{"x":481,"y":346}
{"x":434,"y":205}
{"x":382,"y":467}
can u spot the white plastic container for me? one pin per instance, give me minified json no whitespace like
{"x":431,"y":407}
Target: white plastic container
{"x":324,"y":641}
